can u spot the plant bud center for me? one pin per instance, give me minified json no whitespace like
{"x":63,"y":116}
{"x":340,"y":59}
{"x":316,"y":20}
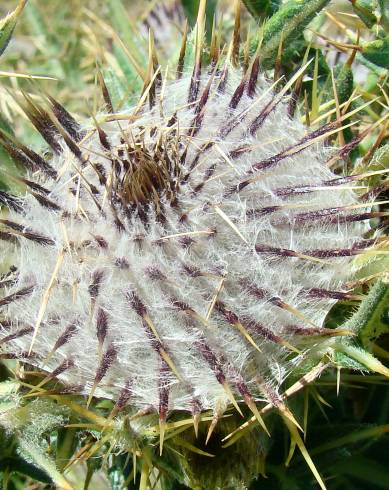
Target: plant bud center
{"x":147,"y":168}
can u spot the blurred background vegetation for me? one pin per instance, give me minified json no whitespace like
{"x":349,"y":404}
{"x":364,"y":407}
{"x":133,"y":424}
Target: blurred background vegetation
{"x":71,"y":42}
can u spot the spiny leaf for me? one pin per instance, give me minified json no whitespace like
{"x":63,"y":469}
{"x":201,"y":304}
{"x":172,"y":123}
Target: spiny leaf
{"x":43,"y":461}
{"x":289,"y":23}
{"x":365,"y":10}
{"x":7,"y":25}
{"x":344,"y":82}
{"x":346,"y":362}
{"x":363,"y":357}
{"x":369,"y":321}
{"x":21,"y":466}
{"x":377,"y":52}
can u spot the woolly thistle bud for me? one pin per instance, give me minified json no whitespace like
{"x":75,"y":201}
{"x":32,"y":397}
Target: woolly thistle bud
{"x":181,"y":255}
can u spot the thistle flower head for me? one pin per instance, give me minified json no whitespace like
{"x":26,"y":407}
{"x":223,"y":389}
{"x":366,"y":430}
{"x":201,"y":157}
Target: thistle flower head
{"x":183,"y":254}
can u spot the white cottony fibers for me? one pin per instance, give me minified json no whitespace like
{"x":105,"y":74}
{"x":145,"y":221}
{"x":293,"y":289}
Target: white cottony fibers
{"x":163,"y":272}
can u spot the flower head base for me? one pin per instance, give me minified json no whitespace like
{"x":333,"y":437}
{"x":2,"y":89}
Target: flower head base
{"x":181,"y":255}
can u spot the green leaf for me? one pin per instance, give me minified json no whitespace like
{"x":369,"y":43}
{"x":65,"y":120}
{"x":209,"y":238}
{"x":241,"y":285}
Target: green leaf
{"x":288,"y":23}
{"x":294,"y":52}
{"x":6,"y":161}
{"x":368,"y":470}
{"x":30,"y":450}
{"x":373,"y":68}
{"x":120,"y":20}
{"x":371,"y":319}
{"x":31,"y":422}
{"x":347,"y":362}
{"x":377,"y":52}
{"x":21,"y":466}
{"x":66,"y":445}
{"x":384,"y":13}
{"x":132,"y":81}
{"x":344,"y":82}
{"x":115,"y":86}
{"x":8,"y":388}
{"x":262,"y":8}
{"x":119,"y":471}
{"x":191,"y":8}
{"x":37,"y":26}
{"x":352,"y":438}
{"x":7,"y":25}
{"x":361,"y":356}
{"x":365,"y":10}
{"x":116,"y":478}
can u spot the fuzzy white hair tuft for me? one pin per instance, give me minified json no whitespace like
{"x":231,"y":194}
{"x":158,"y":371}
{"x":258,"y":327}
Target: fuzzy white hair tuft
{"x":186,"y":255}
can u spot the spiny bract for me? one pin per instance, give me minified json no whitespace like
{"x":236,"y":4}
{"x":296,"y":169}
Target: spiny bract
{"x":181,"y":255}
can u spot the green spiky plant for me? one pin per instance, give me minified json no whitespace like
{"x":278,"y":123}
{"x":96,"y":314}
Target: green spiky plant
{"x":52,"y":434}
